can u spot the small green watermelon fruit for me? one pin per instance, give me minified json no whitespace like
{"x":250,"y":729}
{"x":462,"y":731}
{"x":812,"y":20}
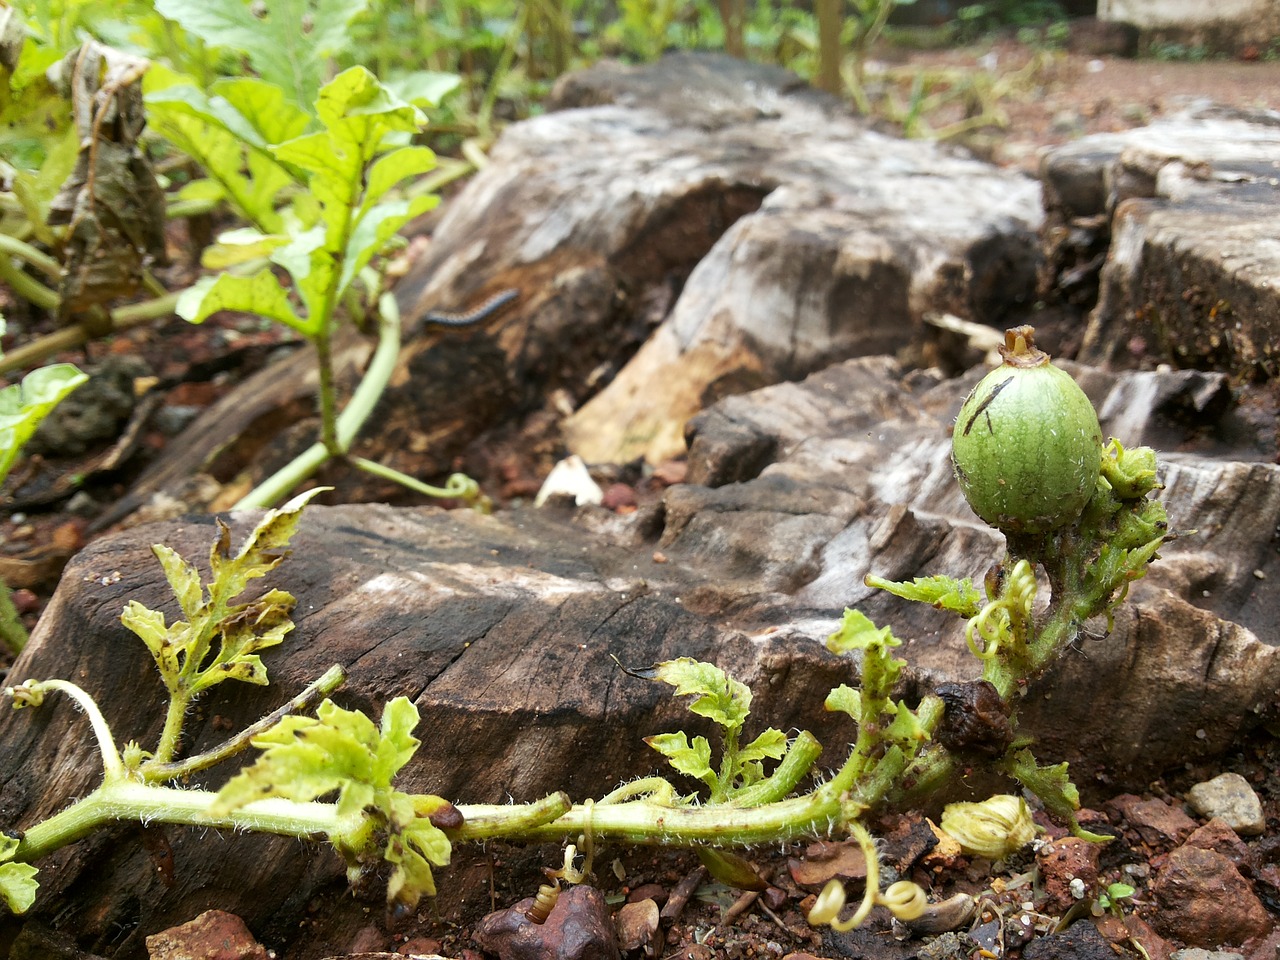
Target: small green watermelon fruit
{"x":1027,"y":445}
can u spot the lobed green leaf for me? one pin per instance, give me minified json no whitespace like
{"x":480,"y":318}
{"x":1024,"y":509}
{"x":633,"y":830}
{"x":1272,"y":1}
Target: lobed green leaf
{"x":720,"y":697}
{"x":288,"y":44}
{"x":220,"y":640}
{"x":304,"y":758}
{"x":413,"y":850}
{"x":375,"y":227}
{"x":1053,"y":786}
{"x":844,"y":699}
{"x":691,"y":759}
{"x":770,"y":745}
{"x":17,"y":880}
{"x":228,"y":131}
{"x":945,"y":593}
{"x":260,"y":294}
{"x":857,"y":632}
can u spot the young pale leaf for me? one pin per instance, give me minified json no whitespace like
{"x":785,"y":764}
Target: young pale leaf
{"x":844,"y":699}
{"x":423,"y":88}
{"x":305,"y":758}
{"x":396,"y":742}
{"x":184,"y":580}
{"x":23,"y":406}
{"x":226,"y":132}
{"x":391,"y":168}
{"x":262,"y":549}
{"x":945,"y":593}
{"x":17,"y":880}
{"x":770,"y":745}
{"x":294,"y":764}
{"x":747,"y":766}
{"x":413,"y":850}
{"x":150,"y":627}
{"x":858,"y":633}
{"x":906,"y":727}
{"x":1051,"y":784}
{"x":1055,"y":790}
{"x":255,"y":626}
{"x":241,"y":246}
{"x":376,"y":226}
{"x":184,"y":651}
{"x":288,"y":45}
{"x":311,"y":266}
{"x":260,"y":294}
{"x":720,"y":697}
{"x":691,"y":759}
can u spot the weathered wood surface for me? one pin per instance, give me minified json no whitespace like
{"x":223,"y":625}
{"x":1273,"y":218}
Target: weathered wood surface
{"x":501,"y":628}
{"x":742,"y":228}
{"x":1180,"y":218}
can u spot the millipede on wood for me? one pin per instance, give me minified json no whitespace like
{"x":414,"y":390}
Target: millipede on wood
{"x":488,"y":308}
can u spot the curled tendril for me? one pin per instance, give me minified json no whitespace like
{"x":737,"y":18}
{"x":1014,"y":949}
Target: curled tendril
{"x":1005,"y":616}
{"x":905,"y":900}
{"x":648,"y":789}
{"x":29,"y":693}
{"x":569,"y":873}
{"x":1021,"y":590}
{"x":982,"y":627}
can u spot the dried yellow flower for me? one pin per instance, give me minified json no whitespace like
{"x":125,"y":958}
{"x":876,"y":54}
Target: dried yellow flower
{"x":993,"y":829}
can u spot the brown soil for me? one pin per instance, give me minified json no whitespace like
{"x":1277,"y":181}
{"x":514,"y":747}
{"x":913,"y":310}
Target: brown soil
{"x":1059,"y":96}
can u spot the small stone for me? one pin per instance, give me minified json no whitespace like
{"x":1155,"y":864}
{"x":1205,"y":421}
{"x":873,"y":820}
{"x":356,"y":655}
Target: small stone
{"x":368,"y":939}
{"x":1229,"y":798}
{"x":172,"y":419}
{"x":25,"y":601}
{"x":1067,"y":122}
{"x":1202,"y":900}
{"x":82,"y":504}
{"x":825,"y":861}
{"x":637,"y":925}
{"x":618,"y":496}
{"x":670,"y":472}
{"x":1217,"y":836}
{"x":578,"y":928}
{"x":951,"y":945}
{"x":774,"y":898}
{"x":1199,"y":953}
{"x":214,"y":934}
{"x":648,"y":891}
{"x":1159,"y":823}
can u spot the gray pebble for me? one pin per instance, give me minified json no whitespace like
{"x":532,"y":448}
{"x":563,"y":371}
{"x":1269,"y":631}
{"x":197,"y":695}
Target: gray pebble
{"x":1199,"y":953}
{"x":1229,"y":797}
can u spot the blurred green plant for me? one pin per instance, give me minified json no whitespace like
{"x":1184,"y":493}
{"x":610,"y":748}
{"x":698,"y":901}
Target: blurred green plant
{"x":22,"y":407}
{"x":335,"y":226}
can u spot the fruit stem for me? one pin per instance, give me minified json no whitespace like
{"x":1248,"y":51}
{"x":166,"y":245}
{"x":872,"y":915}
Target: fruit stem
{"x":1020,"y":349}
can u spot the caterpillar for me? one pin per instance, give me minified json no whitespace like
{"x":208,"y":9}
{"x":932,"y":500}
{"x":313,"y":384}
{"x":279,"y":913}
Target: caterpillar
{"x":543,"y":903}
{"x":485,"y":310}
